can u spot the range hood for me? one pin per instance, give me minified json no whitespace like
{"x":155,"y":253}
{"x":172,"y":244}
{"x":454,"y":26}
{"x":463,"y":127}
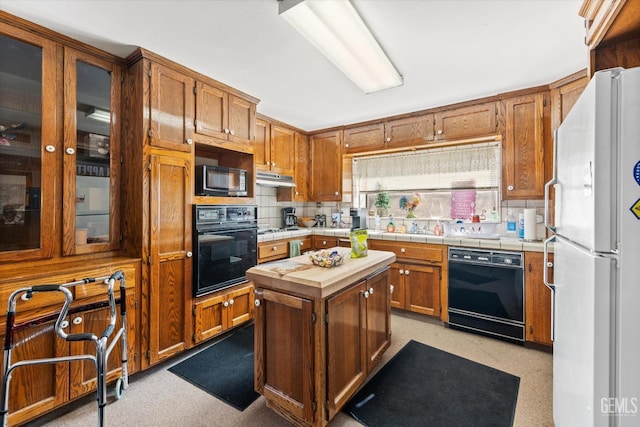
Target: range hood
{"x":267,"y":179}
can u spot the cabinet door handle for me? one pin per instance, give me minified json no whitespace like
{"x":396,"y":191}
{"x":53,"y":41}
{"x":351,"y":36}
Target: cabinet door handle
{"x":64,"y":324}
{"x":77,"y":320}
{"x":70,"y":151}
{"x":232,"y":132}
{"x":439,"y":131}
{"x":366,"y":294}
{"x":510,"y":187}
{"x":231,"y":301}
{"x":189,"y":141}
{"x":189,"y":254}
{"x":549,"y":264}
{"x":403,"y":250}
{"x":401,"y":272}
{"x":50,"y":148}
{"x":275,"y":248}
{"x":346,"y":145}
{"x":406,"y":272}
{"x":324,"y":242}
{"x":226,"y":303}
{"x":226,"y":130}
{"x":370,"y":291}
{"x":391,"y":288}
{"x":273,"y":163}
{"x":256,"y":303}
{"x":388,"y":139}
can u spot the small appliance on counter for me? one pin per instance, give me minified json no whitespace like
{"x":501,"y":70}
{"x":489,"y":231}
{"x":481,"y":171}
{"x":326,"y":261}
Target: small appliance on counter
{"x":322,"y":220}
{"x":358,"y":218}
{"x":289,"y":219}
{"x":335,"y":219}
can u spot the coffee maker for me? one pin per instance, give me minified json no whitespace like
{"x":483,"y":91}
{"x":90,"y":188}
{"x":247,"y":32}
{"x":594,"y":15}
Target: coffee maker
{"x":289,"y":219}
{"x":358,"y":218}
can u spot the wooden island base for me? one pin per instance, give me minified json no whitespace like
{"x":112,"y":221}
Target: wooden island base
{"x":319,"y":332}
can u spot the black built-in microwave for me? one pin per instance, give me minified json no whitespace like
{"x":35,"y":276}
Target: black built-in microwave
{"x":220,"y":181}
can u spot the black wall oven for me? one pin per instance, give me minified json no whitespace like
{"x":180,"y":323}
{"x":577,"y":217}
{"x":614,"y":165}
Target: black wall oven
{"x":226,"y":247}
{"x":486,"y":292}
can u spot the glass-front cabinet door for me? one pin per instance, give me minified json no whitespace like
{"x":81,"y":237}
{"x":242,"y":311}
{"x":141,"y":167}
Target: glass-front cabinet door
{"x":28,"y":146}
{"x":91,"y":154}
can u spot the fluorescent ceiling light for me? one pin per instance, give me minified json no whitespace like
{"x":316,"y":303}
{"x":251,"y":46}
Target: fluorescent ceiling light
{"x":99,"y":115}
{"x":335,"y":29}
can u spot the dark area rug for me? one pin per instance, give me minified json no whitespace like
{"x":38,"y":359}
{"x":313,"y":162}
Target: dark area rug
{"x":224,"y":369}
{"x":424,"y":386}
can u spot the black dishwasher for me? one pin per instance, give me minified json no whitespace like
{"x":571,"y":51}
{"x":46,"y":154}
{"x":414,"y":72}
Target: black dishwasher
{"x":486,"y":292}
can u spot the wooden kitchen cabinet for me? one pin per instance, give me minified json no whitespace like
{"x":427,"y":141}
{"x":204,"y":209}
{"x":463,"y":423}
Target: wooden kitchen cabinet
{"x":223,"y":115}
{"x":613,"y":33}
{"x":324,"y":242}
{"x":221,"y":311}
{"x":326,"y":166}
{"x":91,"y":163}
{"x":359,"y":331}
{"x":537,"y":298}
{"x":60,"y":165}
{"x":282,"y":150}
{"x":35,"y":390}
{"x":410,"y":131}
{"x":312,"y":354}
{"x":171,"y":112}
{"x":523,"y":146}
{"x":419,"y":284}
{"x":170,"y":258}
{"x":365,"y":138}
{"x":279,"y":249}
{"x":300,"y":173}
{"x":396,"y":133}
{"x":466,"y":122}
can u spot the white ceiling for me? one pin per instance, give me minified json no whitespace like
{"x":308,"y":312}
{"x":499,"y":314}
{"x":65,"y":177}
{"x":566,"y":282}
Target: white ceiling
{"x":447,"y":50}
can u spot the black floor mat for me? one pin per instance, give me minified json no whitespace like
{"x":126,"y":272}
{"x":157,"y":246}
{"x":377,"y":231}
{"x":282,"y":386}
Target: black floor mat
{"x":224,"y":369}
{"x":424,"y":386}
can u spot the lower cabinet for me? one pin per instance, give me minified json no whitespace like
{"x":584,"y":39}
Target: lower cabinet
{"x":221,"y":311}
{"x":416,"y":288}
{"x":36,"y":390}
{"x":279,"y":249}
{"x":418,"y":277}
{"x":537,"y":298}
{"x":312,"y":354}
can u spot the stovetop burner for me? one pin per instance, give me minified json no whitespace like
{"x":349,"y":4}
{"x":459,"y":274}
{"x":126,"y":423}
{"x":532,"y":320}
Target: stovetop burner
{"x":276,"y":230}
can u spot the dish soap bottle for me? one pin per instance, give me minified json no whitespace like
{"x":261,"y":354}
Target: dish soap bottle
{"x":391,"y":227}
{"x":511,"y":224}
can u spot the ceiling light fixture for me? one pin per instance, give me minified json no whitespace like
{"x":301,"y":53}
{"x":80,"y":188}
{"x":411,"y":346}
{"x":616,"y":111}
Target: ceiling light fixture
{"x":99,"y":115}
{"x":335,"y":29}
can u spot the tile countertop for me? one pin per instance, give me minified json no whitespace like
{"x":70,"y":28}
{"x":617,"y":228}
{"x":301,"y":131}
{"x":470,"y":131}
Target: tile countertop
{"x":504,"y":243}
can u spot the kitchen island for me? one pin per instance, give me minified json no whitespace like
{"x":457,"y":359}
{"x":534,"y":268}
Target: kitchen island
{"x":319,"y":332}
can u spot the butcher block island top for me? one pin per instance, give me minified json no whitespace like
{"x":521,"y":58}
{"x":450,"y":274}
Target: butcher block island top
{"x":301,"y":276}
{"x":319,"y":332}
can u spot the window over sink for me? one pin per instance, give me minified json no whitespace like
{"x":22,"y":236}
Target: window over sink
{"x":439,"y":183}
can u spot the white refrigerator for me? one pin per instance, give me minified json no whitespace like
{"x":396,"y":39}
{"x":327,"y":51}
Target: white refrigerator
{"x":596,"y":284}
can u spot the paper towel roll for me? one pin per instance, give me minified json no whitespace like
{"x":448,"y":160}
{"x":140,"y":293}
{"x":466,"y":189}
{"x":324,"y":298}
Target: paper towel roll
{"x":529,"y":224}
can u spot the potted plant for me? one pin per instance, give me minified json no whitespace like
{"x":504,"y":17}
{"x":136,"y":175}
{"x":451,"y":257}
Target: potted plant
{"x":383,"y":202}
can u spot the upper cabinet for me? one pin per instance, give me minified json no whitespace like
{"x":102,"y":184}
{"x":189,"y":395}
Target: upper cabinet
{"x":172,"y":109}
{"x":466,"y":122}
{"x":60,"y":125}
{"x":326,"y":166}
{"x":223,"y":115}
{"x":410,"y":131}
{"x":300,"y":174}
{"x":274,"y":147}
{"x":91,"y":216}
{"x":523,"y":146}
{"x":396,"y":133}
{"x":29,"y":149}
{"x":613,"y":33}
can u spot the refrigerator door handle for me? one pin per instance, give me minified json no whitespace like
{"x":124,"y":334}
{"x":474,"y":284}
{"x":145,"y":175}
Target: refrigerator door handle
{"x":551,"y":286}
{"x":553,"y":181}
{"x":545,"y":270}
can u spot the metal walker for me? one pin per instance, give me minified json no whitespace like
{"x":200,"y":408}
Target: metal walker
{"x":103,"y":346}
